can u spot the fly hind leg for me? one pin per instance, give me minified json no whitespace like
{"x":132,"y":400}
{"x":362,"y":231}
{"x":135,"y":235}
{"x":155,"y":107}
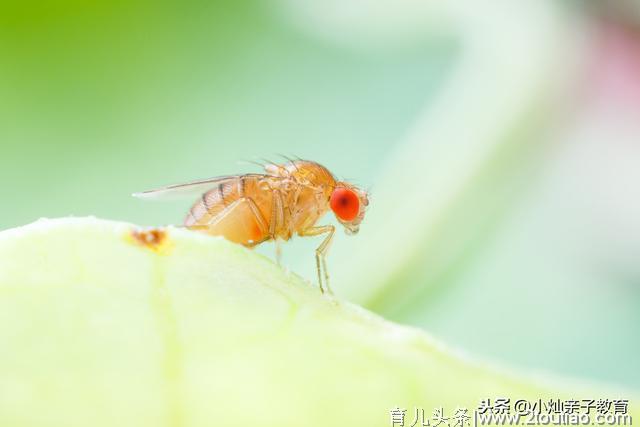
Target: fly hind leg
{"x":321,"y":252}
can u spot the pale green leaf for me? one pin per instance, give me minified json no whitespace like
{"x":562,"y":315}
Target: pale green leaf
{"x":99,"y":329}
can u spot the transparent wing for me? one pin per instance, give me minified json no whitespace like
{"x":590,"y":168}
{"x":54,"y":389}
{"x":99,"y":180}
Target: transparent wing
{"x":193,"y":188}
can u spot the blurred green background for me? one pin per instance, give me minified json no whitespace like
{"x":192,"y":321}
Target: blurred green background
{"x":501,"y":143}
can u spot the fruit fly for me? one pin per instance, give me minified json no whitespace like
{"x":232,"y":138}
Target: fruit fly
{"x":287,"y":199}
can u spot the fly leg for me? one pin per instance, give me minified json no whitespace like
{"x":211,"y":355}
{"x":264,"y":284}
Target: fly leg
{"x":276,"y":224}
{"x":278,"y":252}
{"x":321,"y":252}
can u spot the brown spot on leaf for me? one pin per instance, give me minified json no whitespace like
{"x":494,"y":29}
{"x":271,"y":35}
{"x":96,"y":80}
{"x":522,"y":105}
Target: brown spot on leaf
{"x":155,"y":239}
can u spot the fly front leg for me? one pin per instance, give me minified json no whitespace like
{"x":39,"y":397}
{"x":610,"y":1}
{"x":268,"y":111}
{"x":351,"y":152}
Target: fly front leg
{"x":321,"y":252}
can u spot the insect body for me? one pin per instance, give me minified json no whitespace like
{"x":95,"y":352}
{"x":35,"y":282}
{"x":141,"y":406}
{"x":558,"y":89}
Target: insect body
{"x":288,"y":199}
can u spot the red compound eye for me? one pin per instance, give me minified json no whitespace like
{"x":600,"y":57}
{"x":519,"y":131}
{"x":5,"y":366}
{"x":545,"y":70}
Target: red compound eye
{"x":345,"y":203}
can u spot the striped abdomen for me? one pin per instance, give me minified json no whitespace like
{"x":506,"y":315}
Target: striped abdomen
{"x":238,"y":208}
